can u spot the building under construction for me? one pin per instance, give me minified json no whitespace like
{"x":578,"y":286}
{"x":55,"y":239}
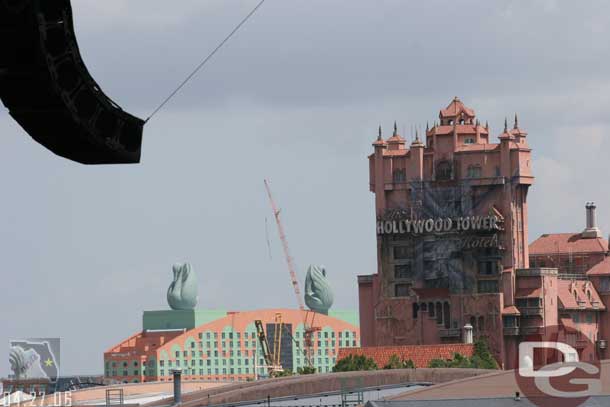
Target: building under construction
{"x":453,"y":253}
{"x":221,"y":346}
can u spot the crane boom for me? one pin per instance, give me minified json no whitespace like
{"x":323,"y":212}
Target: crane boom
{"x":280,"y":228}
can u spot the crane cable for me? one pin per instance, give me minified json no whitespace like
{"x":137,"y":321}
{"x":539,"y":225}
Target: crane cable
{"x":205,"y":60}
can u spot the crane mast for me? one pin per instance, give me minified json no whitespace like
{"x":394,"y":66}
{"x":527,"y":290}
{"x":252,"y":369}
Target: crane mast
{"x":280,"y":229}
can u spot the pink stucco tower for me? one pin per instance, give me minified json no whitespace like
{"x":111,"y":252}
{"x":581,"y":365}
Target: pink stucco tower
{"x":451,"y":228}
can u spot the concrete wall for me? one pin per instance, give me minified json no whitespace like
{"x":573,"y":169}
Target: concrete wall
{"x":313,"y":384}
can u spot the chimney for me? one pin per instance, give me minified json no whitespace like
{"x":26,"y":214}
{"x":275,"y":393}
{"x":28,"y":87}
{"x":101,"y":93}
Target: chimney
{"x":177,"y":373}
{"x":591,"y":231}
{"x":468,"y":334}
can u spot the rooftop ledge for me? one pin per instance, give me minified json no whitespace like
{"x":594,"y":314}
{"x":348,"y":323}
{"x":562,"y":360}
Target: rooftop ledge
{"x":537,"y":272}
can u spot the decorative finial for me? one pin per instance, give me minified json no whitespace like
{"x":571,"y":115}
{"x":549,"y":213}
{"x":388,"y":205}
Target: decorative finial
{"x":427,"y":127}
{"x":395,"y":129}
{"x":505,"y":125}
{"x":516,"y":122}
{"x":416,"y":134}
{"x":379,"y":136}
{"x":486,"y":125}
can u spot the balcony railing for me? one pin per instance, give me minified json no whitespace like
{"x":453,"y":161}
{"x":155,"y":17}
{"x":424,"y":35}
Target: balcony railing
{"x":450,"y":333}
{"x":530,"y":330}
{"x":511,"y":331}
{"x":529,"y":311}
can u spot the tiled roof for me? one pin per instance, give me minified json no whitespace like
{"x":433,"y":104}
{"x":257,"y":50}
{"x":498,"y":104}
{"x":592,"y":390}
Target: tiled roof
{"x":565,"y":243}
{"x":479,"y":147}
{"x":396,"y":139}
{"x":510,"y":310}
{"x":578,"y":295}
{"x":600,"y":269}
{"x":535,"y":292}
{"x":421,"y":355}
{"x":568,"y":325}
{"x":459,"y":128}
{"x":456,"y":107}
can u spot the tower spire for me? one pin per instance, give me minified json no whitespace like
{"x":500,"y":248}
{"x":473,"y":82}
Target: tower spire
{"x":505,"y":125}
{"x":395,"y":129}
{"x":516,"y":122}
{"x":379,"y":136}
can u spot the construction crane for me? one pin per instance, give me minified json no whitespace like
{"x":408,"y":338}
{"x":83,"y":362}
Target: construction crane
{"x":289,"y":262}
{"x":273,"y":361}
{"x":309,"y":316}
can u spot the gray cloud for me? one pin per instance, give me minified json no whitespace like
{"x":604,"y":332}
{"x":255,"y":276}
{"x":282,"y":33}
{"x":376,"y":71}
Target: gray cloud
{"x":296,"y":97}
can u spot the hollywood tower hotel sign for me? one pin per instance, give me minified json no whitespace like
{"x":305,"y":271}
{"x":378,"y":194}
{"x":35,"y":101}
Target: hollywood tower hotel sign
{"x":451,"y":233}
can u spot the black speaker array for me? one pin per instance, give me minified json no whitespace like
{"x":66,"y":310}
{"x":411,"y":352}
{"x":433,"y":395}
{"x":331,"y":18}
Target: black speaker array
{"x":49,"y":92}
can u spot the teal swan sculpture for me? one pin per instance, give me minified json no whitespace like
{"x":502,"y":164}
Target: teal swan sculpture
{"x":182,"y":292}
{"x":318,"y":293}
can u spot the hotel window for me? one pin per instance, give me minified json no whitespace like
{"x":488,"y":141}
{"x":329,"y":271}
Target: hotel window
{"x":443,"y":171}
{"x":200,"y":335}
{"x":399,"y":175}
{"x":402,"y":271}
{"x":401,"y":290}
{"x":439,"y":313}
{"x":511,"y":321}
{"x":469,"y":140}
{"x":431,"y":309}
{"x":487,"y":286}
{"x":447,"y":315}
{"x":604,"y":284}
{"x":474,"y":171}
{"x":185,"y":353}
{"x":401,"y":252}
{"x":488,"y":268}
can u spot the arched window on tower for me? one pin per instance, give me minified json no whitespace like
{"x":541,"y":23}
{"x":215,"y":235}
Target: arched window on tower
{"x":443,"y":170}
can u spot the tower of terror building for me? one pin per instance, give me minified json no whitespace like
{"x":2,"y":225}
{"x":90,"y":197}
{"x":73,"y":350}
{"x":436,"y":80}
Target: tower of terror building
{"x":451,"y":224}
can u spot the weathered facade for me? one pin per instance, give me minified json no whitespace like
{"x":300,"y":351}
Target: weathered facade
{"x":451,"y":233}
{"x":452,"y":248}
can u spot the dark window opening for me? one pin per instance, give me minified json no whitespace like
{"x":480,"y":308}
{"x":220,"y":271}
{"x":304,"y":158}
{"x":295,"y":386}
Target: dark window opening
{"x":439,"y":313}
{"x":487,"y":286}
{"x":401,"y":290}
{"x":399,"y":175}
{"x":402,"y":271}
{"x":447,"y":315}
{"x":401,"y":252}
{"x":443,"y":170}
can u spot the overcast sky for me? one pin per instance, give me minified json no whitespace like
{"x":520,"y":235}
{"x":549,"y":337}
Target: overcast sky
{"x":296,"y":97}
